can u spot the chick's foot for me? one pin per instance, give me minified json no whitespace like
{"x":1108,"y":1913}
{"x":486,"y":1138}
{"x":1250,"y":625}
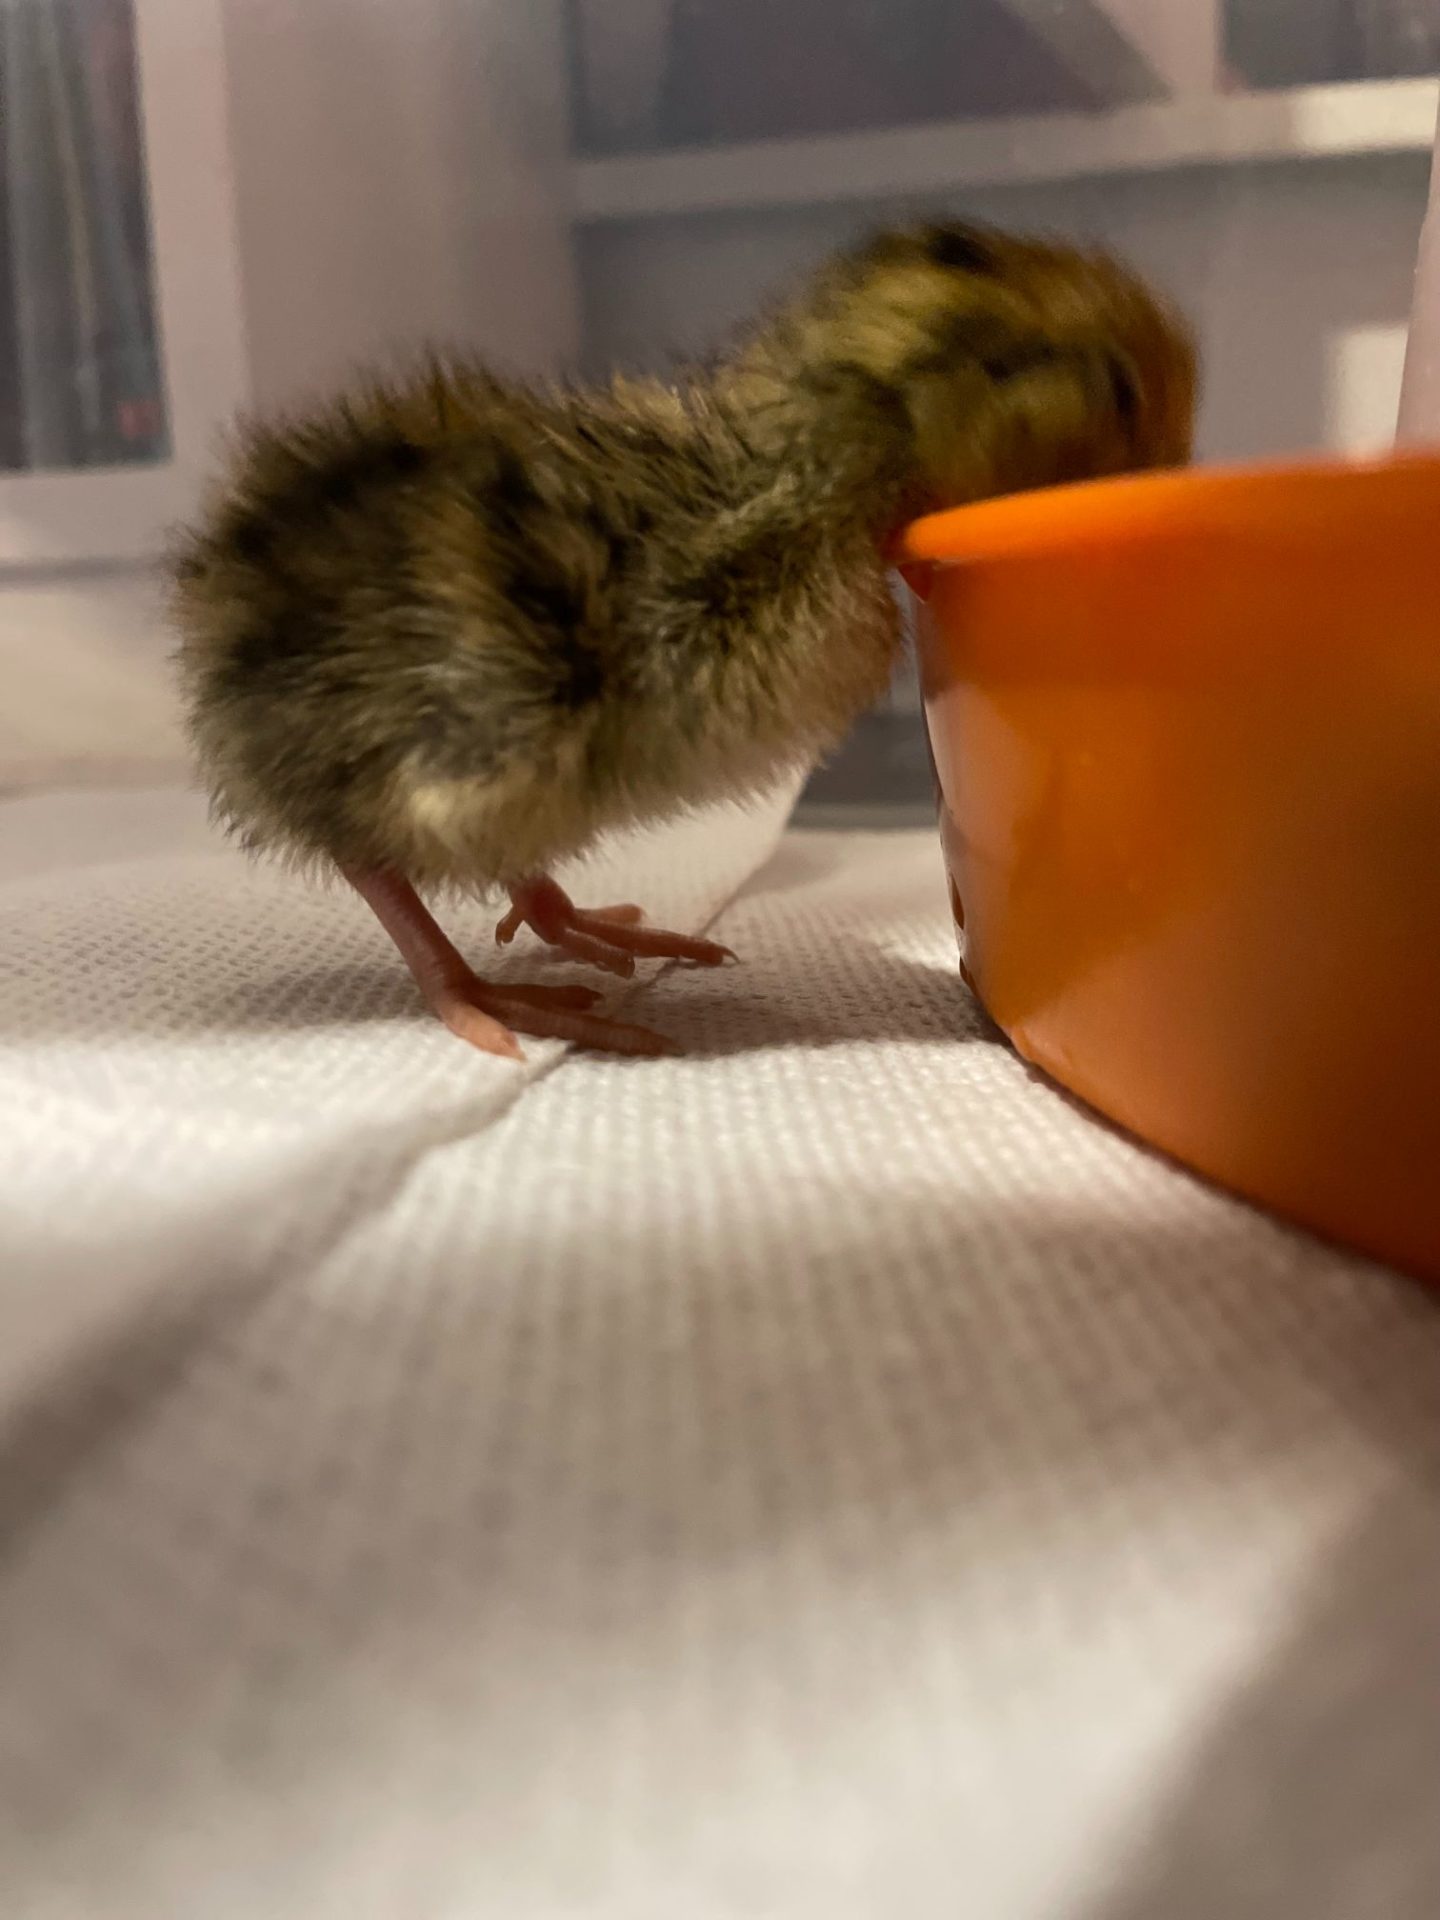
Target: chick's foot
{"x":609,"y":937}
{"x":489,"y":1014}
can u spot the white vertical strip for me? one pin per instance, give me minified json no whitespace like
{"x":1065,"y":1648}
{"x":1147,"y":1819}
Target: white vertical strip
{"x":1420,"y":393}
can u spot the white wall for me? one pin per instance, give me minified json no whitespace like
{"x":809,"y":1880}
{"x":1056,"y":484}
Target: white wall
{"x":400,"y":178}
{"x":1298,"y":278}
{"x":1180,"y":38}
{"x":84,"y":666}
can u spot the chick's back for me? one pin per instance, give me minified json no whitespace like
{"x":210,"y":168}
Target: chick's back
{"x":404,"y":620}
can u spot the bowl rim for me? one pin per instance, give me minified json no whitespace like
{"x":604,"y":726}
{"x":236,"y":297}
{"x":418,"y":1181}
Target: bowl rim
{"x":1132,"y":508}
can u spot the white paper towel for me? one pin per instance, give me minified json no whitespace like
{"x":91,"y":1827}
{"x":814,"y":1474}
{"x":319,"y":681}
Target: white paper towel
{"x":825,"y":1477}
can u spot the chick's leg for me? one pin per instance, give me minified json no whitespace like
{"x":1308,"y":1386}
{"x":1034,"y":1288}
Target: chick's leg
{"x":485,"y":1014}
{"x":608,"y":937}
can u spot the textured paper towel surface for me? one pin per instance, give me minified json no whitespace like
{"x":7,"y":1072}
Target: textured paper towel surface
{"x":204,"y":1064}
{"x":826,"y":1475}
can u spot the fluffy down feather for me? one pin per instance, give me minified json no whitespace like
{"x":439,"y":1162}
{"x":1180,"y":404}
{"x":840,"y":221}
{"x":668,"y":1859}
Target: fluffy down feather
{"x":456,"y":628}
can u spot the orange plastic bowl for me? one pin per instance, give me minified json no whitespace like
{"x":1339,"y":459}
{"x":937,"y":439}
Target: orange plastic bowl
{"x":1187,"y":731}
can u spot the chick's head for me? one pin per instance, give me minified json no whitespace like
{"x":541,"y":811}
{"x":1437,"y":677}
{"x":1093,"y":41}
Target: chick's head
{"x":1001,"y":363}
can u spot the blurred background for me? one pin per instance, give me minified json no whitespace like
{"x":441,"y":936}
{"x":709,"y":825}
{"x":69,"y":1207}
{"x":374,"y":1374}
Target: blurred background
{"x":208,"y":204}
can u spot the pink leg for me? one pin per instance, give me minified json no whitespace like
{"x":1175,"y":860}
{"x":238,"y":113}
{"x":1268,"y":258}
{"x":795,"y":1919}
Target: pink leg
{"x":486,"y":1015}
{"x":608,"y":937}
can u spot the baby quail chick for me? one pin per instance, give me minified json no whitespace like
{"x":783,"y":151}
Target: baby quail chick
{"x":448,"y":630}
